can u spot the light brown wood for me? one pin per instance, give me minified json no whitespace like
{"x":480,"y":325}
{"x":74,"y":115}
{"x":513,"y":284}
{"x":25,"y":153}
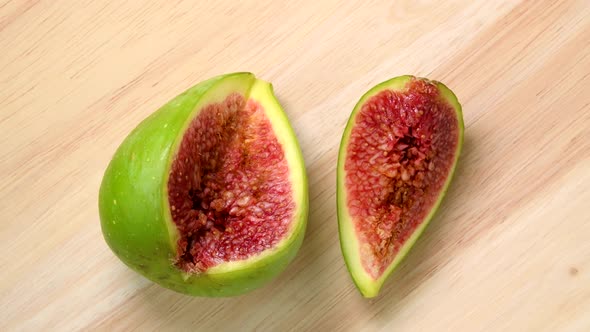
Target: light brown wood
{"x":508,"y":250}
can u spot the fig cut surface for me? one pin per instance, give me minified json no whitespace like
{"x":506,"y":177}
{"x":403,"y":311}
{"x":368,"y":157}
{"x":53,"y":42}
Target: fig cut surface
{"x":397,"y":157}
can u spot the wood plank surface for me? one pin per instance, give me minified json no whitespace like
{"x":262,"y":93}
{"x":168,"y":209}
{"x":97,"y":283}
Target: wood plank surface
{"x":509,"y":250}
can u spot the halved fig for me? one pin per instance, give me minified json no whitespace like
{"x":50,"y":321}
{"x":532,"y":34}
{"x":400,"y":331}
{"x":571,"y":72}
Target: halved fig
{"x":208,"y":195}
{"x":397,"y":157}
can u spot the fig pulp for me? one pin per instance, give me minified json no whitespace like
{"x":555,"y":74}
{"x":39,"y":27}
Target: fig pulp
{"x":208,"y":195}
{"x":396,"y":160}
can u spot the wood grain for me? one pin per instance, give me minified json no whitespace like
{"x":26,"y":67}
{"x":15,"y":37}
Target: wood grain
{"x":508,"y":251}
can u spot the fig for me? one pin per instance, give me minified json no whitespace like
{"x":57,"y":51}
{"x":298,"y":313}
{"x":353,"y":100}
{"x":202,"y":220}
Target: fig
{"x":396,"y":160}
{"x":208,"y":195}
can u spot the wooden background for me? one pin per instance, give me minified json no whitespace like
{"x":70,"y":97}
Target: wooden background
{"x":508,"y":251}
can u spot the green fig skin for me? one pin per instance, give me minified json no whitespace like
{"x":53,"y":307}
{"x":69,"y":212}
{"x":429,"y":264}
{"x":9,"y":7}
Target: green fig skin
{"x":133,"y":203}
{"x":349,"y":244}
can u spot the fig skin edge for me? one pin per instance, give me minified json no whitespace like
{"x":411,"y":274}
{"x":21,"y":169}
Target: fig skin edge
{"x":133,"y":198}
{"x":349,"y":245}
